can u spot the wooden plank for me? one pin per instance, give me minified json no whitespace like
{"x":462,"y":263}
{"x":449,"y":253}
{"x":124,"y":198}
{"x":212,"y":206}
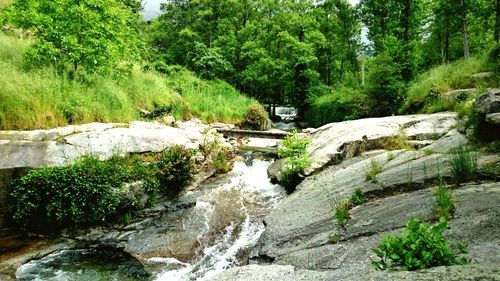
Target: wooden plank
{"x":252,"y":134}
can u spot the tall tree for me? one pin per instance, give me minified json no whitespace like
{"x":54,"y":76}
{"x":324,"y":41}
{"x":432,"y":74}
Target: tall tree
{"x":94,"y":35}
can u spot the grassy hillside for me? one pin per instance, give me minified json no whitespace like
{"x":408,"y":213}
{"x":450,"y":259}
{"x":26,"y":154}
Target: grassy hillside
{"x":38,"y":98}
{"x":425,"y":91}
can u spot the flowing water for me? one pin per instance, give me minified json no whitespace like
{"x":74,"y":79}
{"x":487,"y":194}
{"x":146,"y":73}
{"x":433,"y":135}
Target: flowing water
{"x":220,"y":231}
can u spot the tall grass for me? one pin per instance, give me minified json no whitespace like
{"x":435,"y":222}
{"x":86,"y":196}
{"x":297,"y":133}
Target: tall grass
{"x":39,"y":98}
{"x":426,"y":89}
{"x":212,"y":101}
{"x":463,"y":163}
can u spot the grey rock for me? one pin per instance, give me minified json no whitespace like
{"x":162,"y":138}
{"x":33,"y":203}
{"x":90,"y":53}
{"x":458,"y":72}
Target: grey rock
{"x":473,"y":272}
{"x":451,"y":140}
{"x":488,"y":103}
{"x":460,"y":94}
{"x":350,"y":138}
{"x":493,"y":118}
{"x":482,"y":75}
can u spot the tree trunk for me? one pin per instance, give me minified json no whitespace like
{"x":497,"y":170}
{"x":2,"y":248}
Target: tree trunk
{"x":464,"y":30}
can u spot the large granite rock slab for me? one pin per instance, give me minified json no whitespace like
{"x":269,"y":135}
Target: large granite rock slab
{"x":346,"y":139}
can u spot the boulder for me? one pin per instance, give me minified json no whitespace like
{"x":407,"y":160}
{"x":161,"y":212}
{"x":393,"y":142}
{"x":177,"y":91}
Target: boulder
{"x":488,"y":103}
{"x":460,"y":94}
{"x":487,"y":107}
{"x":337,"y":141}
{"x":493,"y":118}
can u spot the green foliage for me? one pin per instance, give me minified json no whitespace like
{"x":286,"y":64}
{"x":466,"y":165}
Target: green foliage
{"x":344,"y":104}
{"x":371,"y":174}
{"x":86,"y":192}
{"x":293,"y":145}
{"x":424,"y":92}
{"x":463,"y":163}
{"x":342,"y":213}
{"x":72,"y":34}
{"x":176,"y":168}
{"x":357,"y":197}
{"x":255,"y":117}
{"x":221,"y":161}
{"x":294,"y":148}
{"x":39,"y":99}
{"x":445,"y":204}
{"x":419,"y":246}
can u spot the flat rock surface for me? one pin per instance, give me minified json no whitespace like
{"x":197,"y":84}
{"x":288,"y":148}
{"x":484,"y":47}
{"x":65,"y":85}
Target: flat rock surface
{"x":346,"y":139}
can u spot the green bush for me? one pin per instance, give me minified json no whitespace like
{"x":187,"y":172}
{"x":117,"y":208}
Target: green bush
{"x":221,"y":162}
{"x":463,"y":163}
{"x":294,"y":148}
{"x":419,"y":246}
{"x":344,"y":104}
{"x":86,"y":192}
{"x":445,"y":204}
{"x":255,"y":117}
{"x":176,"y":168}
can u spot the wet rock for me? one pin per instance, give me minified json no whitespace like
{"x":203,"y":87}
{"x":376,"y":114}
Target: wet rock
{"x":350,"y":138}
{"x":272,"y":272}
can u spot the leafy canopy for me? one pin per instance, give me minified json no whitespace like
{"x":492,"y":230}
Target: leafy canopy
{"x":93,"y":34}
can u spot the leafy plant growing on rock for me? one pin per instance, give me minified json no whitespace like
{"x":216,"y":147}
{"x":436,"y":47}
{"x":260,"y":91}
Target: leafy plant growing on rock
{"x":463,"y":162}
{"x":84,"y":193}
{"x":445,"y":204}
{"x":342,"y":213}
{"x":214,"y":153}
{"x":371,"y":174}
{"x":176,"y":168}
{"x":419,"y":246}
{"x":358,"y":197}
{"x":294,"y":148}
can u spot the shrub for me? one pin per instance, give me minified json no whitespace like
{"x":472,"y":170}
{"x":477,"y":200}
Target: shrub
{"x":344,"y":104}
{"x":445,"y":204}
{"x":371,"y":174}
{"x":463,"y":162}
{"x":255,"y":117}
{"x":358,"y":197}
{"x":86,"y":192}
{"x":176,"y":168}
{"x":419,"y":246}
{"x":221,"y":162}
{"x":342,"y":213}
{"x":294,"y":148}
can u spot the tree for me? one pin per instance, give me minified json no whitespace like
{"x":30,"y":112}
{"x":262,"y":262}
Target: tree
{"x":89,"y":34}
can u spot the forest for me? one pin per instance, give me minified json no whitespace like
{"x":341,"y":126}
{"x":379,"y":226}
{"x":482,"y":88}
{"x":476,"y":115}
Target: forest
{"x":308,"y":54}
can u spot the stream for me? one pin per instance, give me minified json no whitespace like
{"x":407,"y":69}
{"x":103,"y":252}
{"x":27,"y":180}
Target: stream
{"x":217,"y":233}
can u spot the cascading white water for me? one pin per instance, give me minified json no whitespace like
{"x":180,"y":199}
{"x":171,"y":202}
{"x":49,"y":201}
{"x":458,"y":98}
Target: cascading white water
{"x":251,"y":191}
{"x":217,"y":233}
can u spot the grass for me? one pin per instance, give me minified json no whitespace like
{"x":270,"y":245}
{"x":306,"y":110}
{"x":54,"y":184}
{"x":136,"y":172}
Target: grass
{"x":358,"y":197}
{"x":39,"y":98}
{"x":342,"y":213}
{"x":445,"y":204}
{"x":463,"y":163}
{"x":371,"y":174}
{"x":423,"y":92}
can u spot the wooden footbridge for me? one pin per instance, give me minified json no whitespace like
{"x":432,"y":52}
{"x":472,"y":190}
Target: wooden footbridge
{"x":252,"y":134}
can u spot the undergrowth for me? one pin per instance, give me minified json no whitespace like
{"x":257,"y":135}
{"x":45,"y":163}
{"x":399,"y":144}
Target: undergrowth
{"x":419,"y":246}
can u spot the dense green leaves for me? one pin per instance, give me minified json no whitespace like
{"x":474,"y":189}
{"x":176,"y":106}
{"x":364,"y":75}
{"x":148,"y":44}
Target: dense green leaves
{"x":73,"y":34}
{"x":419,"y":246}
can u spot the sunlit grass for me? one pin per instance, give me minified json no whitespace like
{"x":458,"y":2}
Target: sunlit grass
{"x":39,"y":98}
